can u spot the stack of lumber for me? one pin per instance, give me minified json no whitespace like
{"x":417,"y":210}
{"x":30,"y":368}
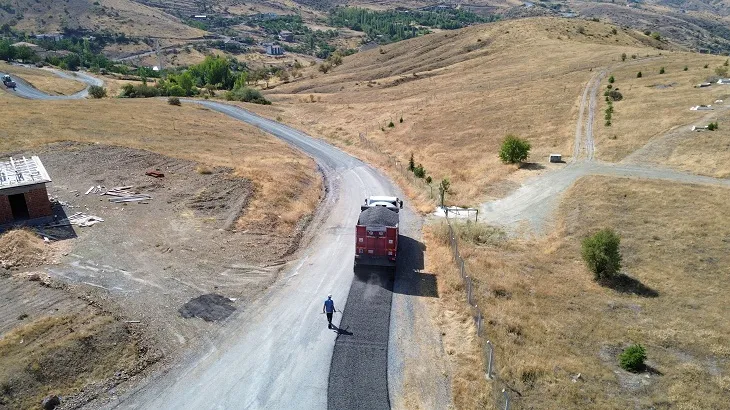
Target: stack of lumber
{"x":125,"y":194}
{"x":78,"y":219}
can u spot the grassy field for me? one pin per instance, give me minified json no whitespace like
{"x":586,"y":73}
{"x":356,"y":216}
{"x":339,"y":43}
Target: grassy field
{"x":459,"y":93}
{"x":287,"y":183}
{"x":550,"y":321}
{"x":656,"y":103}
{"x":45,"y":81}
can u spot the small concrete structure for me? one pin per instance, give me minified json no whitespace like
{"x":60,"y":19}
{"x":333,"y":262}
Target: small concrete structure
{"x":701,"y":108}
{"x":23,"y":194}
{"x":699,"y":128}
{"x":287,"y":36}
{"x":723,"y":81}
{"x":274,"y":50}
{"x":556,"y":158}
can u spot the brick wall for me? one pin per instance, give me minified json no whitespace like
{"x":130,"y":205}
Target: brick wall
{"x":6,"y":214}
{"x":38,"y":203}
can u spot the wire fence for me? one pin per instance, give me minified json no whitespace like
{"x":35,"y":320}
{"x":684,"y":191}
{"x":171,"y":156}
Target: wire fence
{"x":504,"y":398}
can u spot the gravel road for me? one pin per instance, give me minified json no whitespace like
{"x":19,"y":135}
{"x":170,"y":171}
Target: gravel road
{"x":25,"y":90}
{"x":279,"y":353}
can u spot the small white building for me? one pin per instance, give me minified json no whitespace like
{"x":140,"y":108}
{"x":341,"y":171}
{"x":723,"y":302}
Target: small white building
{"x":556,"y":158}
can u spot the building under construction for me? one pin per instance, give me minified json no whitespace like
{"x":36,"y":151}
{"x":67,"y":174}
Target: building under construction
{"x":23,"y":194}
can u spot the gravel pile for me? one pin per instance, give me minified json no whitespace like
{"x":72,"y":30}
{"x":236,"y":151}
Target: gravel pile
{"x":378,"y":216}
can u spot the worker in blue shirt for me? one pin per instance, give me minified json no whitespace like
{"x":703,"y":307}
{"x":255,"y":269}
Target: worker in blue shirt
{"x":329,"y":309}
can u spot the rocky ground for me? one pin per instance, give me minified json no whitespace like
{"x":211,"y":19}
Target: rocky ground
{"x":157,"y":276}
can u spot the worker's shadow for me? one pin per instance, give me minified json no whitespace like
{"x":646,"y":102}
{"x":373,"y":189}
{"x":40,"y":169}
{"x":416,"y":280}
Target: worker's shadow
{"x":341,"y":331}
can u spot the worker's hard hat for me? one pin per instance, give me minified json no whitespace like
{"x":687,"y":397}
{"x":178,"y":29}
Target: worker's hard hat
{"x":329,"y":296}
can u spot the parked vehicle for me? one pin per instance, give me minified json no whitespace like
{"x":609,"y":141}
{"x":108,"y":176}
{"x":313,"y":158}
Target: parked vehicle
{"x":376,"y":238}
{"x":8,"y":82}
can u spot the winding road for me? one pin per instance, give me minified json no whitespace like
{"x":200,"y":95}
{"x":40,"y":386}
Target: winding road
{"x":279,"y":353}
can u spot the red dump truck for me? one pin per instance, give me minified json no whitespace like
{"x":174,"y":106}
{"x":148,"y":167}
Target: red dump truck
{"x":376,"y":239}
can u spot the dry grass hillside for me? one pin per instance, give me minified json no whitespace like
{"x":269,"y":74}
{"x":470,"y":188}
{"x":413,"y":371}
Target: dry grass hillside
{"x":657,"y":103}
{"x":116,"y":16}
{"x":550,"y":322}
{"x":459,"y":93}
{"x":287,"y":183}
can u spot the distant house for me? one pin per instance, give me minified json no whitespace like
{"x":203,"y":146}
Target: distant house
{"x":286,"y":36}
{"x":199,"y":17}
{"x":723,"y":81}
{"x":274,"y":49}
{"x":23,"y":194}
{"x":50,"y":36}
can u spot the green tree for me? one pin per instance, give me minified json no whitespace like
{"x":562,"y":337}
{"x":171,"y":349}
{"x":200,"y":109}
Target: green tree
{"x":632,"y":358}
{"x":186,"y":82}
{"x":514,"y":150}
{"x":419,"y":171}
{"x":611,"y":79}
{"x":444,"y":188}
{"x":601,"y":253}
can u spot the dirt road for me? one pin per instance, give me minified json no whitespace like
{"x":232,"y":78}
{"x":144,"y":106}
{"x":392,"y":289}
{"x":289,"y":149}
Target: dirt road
{"x":531,"y":205}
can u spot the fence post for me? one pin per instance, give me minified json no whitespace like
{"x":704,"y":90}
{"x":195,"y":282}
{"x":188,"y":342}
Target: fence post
{"x":468,"y":290}
{"x":463,"y":270}
{"x":506,"y":399}
{"x":491,"y":359}
{"x":479,"y":321}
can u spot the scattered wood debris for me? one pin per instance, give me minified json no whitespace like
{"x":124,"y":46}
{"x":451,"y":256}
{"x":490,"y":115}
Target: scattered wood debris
{"x":121,"y":193}
{"x":155,"y":173}
{"x":79,"y":219}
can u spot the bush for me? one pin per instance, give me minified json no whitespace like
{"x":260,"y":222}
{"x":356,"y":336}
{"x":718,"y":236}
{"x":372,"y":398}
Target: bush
{"x":419,"y":171}
{"x":721,"y":71}
{"x":325,"y":67}
{"x":685,"y":68}
{"x":411,"y":163}
{"x":611,"y":80}
{"x":601,"y":254}
{"x":247,"y":95}
{"x":514,"y":150}
{"x":661,"y":70}
{"x":391,"y":125}
{"x":638,"y":75}
{"x":623,"y":56}
{"x":173,"y":101}
{"x":615,"y":95}
{"x":632,"y":358}
{"x":176,"y":91}
{"x":96,"y":91}
{"x":712,"y":126}
{"x":139,"y":91}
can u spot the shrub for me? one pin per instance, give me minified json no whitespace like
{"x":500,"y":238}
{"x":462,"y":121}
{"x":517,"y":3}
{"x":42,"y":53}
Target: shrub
{"x":429,"y":179}
{"x":176,"y":91}
{"x":139,"y":91}
{"x":419,"y":171}
{"x":601,"y":254}
{"x":706,"y":66}
{"x":581,"y":30}
{"x":656,"y":36}
{"x":173,"y":101}
{"x":401,"y":120}
{"x":411,"y":163}
{"x":247,"y":95}
{"x":721,"y":71}
{"x":96,"y":91}
{"x":623,"y":56}
{"x":632,"y":358}
{"x":611,"y":79}
{"x":614,"y":31}
{"x":638,"y":75}
{"x":325,"y":67}
{"x":662,"y":71}
{"x":391,"y":125}
{"x":685,"y":68}
{"x":615,"y":95}
{"x":514,"y":150}
{"x":712,"y":126}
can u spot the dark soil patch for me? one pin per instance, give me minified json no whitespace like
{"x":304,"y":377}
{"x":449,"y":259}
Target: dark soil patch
{"x":210,"y":307}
